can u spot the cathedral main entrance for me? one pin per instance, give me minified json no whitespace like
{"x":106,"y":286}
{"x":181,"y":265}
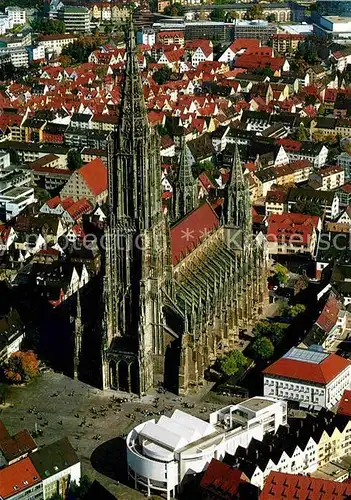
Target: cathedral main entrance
{"x":123,"y":374}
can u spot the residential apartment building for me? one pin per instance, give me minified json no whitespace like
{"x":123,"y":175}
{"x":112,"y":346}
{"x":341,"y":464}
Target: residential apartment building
{"x":327,"y":178}
{"x":16,"y":14}
{"x":41,"y":474}
{"x":286,"y":42}
{"x":327,"y":200}
{"x":292,"y":233}
{"x":310,"y":377}
{"x":53,"y":44}
{"x":329,"y":328}
{"x":160,"y":454}
{"x":75,"y":18}
{"x":18,"y":56}
{"x":20,"y":481}
{"x":304,"y":447}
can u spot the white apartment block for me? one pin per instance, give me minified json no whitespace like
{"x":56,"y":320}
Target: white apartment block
{"x":55,"y":43}
{"x":313,"y":378}
{"x":6,"y":24}
{"x":160,"y":454}
{"x":16,"y":14}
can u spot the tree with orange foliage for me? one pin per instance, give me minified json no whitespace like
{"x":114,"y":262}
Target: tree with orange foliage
{"x":22,"y":366}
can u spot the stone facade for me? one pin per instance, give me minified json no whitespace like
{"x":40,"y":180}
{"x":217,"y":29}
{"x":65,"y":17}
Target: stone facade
{"x":167,"y":319}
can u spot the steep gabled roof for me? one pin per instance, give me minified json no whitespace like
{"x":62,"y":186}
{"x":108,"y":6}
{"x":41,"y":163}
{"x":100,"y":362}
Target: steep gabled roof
{"x":280,"y":485}
{"x":94,"y":175}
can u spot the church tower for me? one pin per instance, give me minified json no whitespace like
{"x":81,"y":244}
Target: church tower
{"x":184,"y":187}
{"x":136,"y":253}
{"x":237,"y":206}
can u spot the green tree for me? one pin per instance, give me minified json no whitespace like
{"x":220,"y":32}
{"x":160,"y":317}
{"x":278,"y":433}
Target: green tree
{"x":218,"y":15}
{"x":233,"y":362}
{"x":74,"y":159}
{"x":79,"y":491}
{"x":42,"y":195}
{"x":48,"y":26}
{"x":176,"y":10}
{"x":80,"y":50}
{"x":162,"y":75}
{"x":281,"y":274}
{"x":321,"y":109}
{"x":274,"y":331}
{"x":271,"y":18}
{"x":301,"y":133}
{"x":295,"y":310}
{"x":262,"y":348}
{"x":255,"y":12}
{"x":307,"y":207}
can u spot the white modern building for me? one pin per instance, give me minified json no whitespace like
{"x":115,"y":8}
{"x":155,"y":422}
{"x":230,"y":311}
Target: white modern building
{"x":160,"y":454}
{"x":6,"y":24}
{"x":76,"y":19}
{"x":14,"y":200}
{"x":16,"y":14}
{"x":311,"y":377}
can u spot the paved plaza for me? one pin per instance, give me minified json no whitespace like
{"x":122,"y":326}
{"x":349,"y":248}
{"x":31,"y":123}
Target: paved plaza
{"x":95,"y":421}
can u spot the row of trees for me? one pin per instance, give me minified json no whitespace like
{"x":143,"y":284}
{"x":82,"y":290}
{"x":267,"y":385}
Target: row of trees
{"x":254,"y":12}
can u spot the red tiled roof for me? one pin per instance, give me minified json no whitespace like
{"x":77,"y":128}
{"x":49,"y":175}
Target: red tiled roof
{"x":94,"y":175}
{"x":53,"y":202}
{"x":205,"y":181}
{"x":17,"y":477}
{"x":17,"y":445}
{"x":190,"y":231}
{"x":79,"y":208}
{"x":329,"y":316}
{"x":66,"y":203}
{"x":245,"y":43}
{"x":345,"y":404}
{"x":279,"y":485}
{"x":320,"y":373}
{"x":276,"y":196}
{"x":291,"y":228}
{"x":222,"y":479}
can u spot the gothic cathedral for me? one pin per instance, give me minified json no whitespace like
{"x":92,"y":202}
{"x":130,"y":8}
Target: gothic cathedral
{"x":175,"y":296}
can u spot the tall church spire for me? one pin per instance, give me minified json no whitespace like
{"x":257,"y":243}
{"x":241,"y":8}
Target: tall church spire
{"x":133,"y":109}
{"x":184,"y":187}
{"x":238,"y":196}
{"x":134,"y":176}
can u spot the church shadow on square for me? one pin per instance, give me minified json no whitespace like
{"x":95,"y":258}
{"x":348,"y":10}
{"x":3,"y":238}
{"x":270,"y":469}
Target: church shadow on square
{"x":110,"y":459}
